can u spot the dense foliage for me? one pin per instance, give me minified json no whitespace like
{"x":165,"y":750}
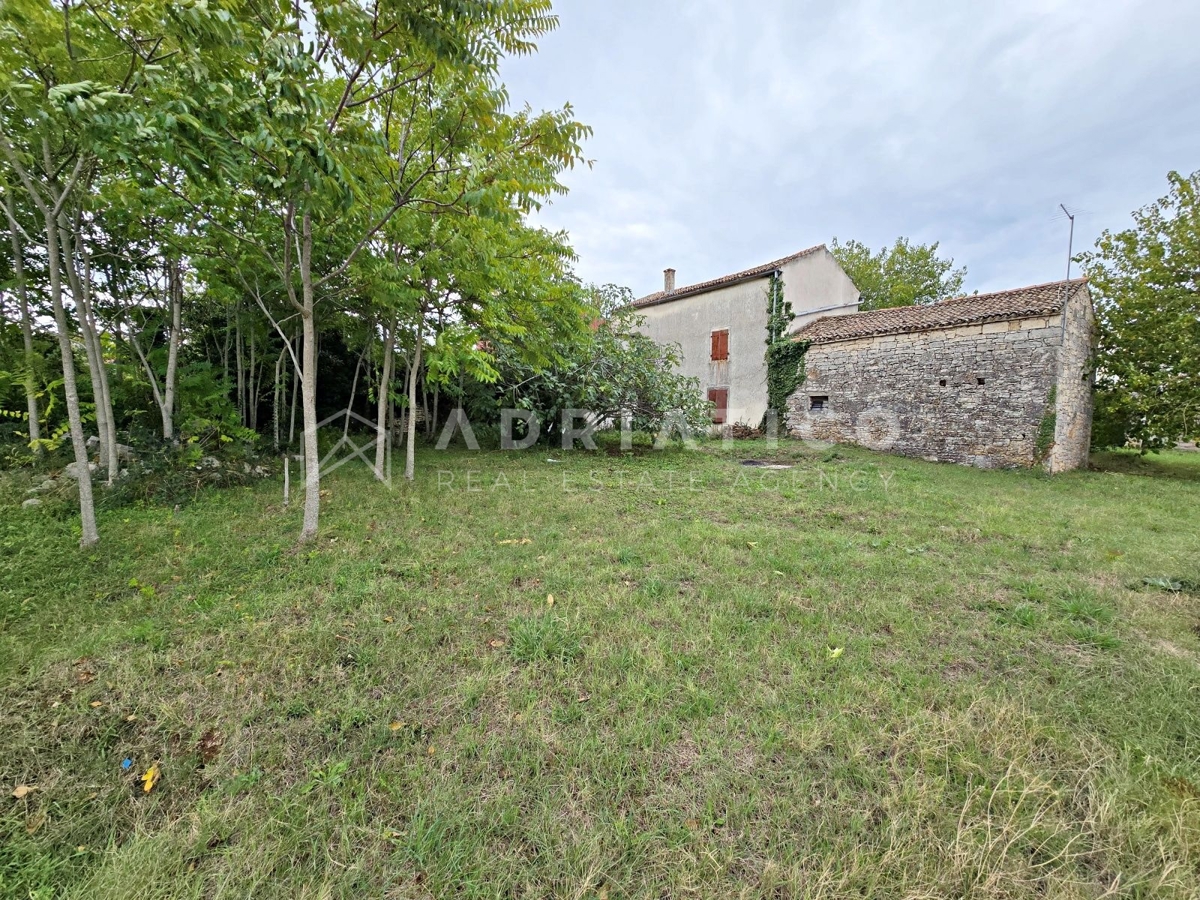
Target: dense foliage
{"x":612,"y":370}
{"x":785,"y":357}
{"x":1146,"y":285}
{"x":901,"y":275}
{"x":228,"y":221}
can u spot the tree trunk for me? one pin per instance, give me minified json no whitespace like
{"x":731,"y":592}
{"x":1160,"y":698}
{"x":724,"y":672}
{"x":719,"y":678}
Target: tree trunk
{"x":308,"y":387}
{"x":87,"y":512}
{"x":295,"y":388}
{"x":151,"y":375}
{"x":80,"y":284}
{"x":433,"y":422}
{"x":225,"y":350}
{"x":276,"y":397}
{"x":382,"y":397}
{"x":410,"y":450}
{"x":175,"y":286}
{"x":255,"y":381}
{"x":241,"y":367}
{"x":354,"y":390}
{"x":35,"y":428}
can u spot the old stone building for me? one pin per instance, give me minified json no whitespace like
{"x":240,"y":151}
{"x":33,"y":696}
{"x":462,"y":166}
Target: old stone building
{"x":991,"y":380}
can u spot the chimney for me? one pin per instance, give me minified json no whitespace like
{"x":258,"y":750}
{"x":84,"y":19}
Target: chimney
{"x":668,"y":280}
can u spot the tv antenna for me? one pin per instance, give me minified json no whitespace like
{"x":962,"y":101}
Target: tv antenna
{"x":1071,"y":239}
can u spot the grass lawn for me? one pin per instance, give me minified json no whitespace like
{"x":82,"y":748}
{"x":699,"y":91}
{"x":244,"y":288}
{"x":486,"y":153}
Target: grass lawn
{"x":863,"y":676}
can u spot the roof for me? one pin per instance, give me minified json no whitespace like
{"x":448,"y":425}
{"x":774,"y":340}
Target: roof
{"x":724,"y":281}
{"x":1036,"y":300}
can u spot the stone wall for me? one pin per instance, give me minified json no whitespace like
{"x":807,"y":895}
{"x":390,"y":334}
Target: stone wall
{"x":1073,"y":407}
{"x":974,"y":394}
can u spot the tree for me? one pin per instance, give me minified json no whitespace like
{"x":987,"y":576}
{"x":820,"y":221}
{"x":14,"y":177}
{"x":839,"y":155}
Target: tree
{"x":196,"y":189}
{"x":1146,"y":285}
{"x":78,"y":84}
{"x":608,"y":367}
{"x":901,"y":275}
{"x":20,"y":288}
{"x":412,"y":117}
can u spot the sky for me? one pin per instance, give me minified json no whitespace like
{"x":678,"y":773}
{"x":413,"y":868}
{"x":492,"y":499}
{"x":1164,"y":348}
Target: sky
{"x":728,"y":134}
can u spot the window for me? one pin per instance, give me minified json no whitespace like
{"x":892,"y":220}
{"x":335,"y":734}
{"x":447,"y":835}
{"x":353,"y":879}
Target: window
{"x":818,"y":402}
{"x":719,"y":398}
{"x":979,"y":381}
{"x":942,"y":382}
{"x":720,"y":345}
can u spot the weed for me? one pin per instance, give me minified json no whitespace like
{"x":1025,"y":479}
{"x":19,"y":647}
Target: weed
{"x":543,"y":638}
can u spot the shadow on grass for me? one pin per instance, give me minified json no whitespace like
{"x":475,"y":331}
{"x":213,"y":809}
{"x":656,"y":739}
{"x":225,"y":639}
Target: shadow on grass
{"x":1176,"y":464}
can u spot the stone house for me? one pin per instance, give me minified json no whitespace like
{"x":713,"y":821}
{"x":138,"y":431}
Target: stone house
{"x":991,"y":380}
{"x":721,"y":325}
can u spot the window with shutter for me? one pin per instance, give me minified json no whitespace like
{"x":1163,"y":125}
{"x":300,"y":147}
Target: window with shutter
{"x":719,"y":398}
{"x":720,"y":345}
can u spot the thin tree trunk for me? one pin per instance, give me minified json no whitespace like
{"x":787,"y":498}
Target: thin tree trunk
{"x":295,"y":388}
{"x":383,"y":395}
{"x":354,"y":388}
{"x":18,"y":251}
{"x":80,"y":286}
{"x":252,"y":385}
{"x":151,"y":375}
{"x":433,"y":414}
{"x":276,"y":397}
{"x":175,"y":287}
{"x":425,"y":404}
{"x":308,"y":387}
{"x":112,"y":463}
{"x":225,"y":349}
{"x":87,"y":512}
{"x":241,"y":367}
{"x":410,"y":450}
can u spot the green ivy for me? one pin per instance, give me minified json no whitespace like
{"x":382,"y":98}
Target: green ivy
{"x":1045,"y":435}
{"x":785,"y":357}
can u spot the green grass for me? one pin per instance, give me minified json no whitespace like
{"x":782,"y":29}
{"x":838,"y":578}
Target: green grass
{"x":399,"y":711}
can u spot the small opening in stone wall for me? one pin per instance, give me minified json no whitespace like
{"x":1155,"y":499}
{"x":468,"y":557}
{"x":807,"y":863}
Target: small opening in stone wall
{"x":819,"y":402}
{"x":979,"y":381}
{"x":942,"y":382}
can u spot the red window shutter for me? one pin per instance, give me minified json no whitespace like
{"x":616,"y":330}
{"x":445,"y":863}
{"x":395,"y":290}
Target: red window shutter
{"x":719,"y":397}
{"x":720,"y":345}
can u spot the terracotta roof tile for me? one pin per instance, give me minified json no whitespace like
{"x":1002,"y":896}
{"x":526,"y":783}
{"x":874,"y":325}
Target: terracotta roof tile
{"x":725,"y":280}
{"x":1037,"y":300}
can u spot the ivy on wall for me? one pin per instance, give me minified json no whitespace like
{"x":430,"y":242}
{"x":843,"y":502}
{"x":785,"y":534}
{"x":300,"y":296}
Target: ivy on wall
{"x":1045,"y":436}
{"x":785,"y":357}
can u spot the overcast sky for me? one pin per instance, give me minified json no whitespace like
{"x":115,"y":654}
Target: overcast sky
{"x":728,"y":134}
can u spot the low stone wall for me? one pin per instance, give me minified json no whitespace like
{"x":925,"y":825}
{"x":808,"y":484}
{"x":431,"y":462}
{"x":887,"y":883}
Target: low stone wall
{"x":975,"y":394}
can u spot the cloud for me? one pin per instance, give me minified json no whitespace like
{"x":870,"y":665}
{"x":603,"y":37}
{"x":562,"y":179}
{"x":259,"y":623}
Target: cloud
{"x":730,"y":134}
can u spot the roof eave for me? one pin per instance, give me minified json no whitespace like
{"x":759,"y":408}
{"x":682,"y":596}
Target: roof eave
{"x":684,"y":293}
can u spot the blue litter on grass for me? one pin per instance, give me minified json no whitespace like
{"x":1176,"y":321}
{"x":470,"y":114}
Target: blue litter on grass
{"x":126,"y":763}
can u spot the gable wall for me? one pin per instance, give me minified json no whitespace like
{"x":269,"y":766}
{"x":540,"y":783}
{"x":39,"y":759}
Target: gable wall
{"x":690,"y":322}
{"x":884,"y":392}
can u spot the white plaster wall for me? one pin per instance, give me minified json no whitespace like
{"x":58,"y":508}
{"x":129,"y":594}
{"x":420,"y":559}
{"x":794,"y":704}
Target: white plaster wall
{"x":690,"y":322}
{"x":814,"y":282}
